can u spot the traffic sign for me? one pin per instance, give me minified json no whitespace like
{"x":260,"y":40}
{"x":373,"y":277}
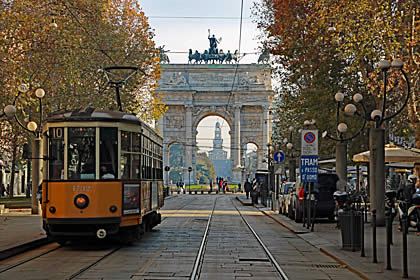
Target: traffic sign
{"x":279,"y":157}
{"x":309,"y":168}
{"x":309,"y":143}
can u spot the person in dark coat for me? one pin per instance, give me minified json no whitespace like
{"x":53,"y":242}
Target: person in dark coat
{"x":248,"y":188}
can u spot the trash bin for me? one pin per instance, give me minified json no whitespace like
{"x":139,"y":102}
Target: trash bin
{"x":351,"y":230}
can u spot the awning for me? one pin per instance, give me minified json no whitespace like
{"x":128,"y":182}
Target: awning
{"x":392,"y":154}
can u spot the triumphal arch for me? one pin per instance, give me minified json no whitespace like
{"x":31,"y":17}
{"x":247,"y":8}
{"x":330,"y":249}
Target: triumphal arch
{"x":239,"y":93}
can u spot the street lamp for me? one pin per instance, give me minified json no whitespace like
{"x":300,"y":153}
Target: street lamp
{"x":292,"y":161}
{"x":167,"y":168}
{"x":341,"y":145}
{"x":189,"y":179}
{"x":10,"y":112}
{"x":377,"y":136}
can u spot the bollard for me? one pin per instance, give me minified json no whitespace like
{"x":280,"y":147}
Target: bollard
{"x":314,"y":215}
{"x":310,"y":205}
{"x":352,"y":230}
{"x":375,"y":258}
{"x":304,"y":212}
{"x":362,"y":237}
{"x":404,"y":233}
{"x":388,"y":239}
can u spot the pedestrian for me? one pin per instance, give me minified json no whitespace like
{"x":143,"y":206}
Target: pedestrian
{"x":405,"y":194}
{"x":2,"y":190}
{"x":224,"y":183}
{"x":248,"y":188}
{"x":211,"y":185}
{"x":220,"y":185}
{"x":239,"y":187}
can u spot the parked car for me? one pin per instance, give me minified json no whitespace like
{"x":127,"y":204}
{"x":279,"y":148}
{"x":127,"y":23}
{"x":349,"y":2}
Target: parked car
{"x":284,"y":192}
{"x":323,"y":192}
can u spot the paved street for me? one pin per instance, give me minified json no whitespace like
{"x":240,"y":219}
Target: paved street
{"x":169,"y":252}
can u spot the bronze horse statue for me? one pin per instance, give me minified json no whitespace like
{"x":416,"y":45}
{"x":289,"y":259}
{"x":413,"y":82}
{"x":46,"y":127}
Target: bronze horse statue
{"x":194,"y":56}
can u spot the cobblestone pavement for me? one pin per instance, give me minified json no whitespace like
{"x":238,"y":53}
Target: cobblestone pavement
{"x":170,"y":250}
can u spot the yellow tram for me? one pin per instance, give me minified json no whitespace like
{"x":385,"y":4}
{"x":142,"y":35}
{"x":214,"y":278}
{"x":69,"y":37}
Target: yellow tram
{"x":103,"y":176}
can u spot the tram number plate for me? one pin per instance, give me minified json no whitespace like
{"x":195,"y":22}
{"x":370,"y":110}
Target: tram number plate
{"x":77,"y":188}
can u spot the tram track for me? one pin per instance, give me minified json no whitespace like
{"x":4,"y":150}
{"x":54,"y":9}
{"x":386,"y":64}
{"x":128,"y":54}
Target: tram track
{"x":267,"y":252}
{"x":199,"y":260}
{"x":81,"y":271}
{"x":29,"y":259}
{"x":86,"y":268}
{"x":195,"y":275}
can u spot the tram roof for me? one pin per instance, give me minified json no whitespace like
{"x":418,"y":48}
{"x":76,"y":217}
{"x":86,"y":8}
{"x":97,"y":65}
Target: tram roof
{"x":93,"y":114}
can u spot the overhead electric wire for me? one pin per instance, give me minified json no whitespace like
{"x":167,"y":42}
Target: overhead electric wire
{"x":239,"y":57}
{"x":195,"y":17}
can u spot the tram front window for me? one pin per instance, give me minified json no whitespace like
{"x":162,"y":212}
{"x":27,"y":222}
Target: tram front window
{"x":56,"y":152}
{"x":81,"y":153}
{"x":108,"y":152}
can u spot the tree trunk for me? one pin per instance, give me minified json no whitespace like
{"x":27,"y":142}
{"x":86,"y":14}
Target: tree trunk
{"x":12,"y":175}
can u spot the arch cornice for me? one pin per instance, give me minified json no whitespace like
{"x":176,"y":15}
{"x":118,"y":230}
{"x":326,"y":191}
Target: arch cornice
{"x":202,"y":112}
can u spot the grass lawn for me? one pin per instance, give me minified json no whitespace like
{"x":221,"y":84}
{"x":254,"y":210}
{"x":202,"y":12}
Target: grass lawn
{"x":15,"y":199}
{"x":204,"y":187}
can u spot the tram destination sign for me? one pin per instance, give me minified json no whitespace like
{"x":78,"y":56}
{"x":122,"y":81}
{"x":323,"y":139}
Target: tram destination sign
{"x":309,"y":142}
{"x":309,"y":168}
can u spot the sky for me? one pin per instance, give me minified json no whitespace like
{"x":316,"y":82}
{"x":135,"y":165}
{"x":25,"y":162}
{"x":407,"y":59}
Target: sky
{"x":181,"y":25}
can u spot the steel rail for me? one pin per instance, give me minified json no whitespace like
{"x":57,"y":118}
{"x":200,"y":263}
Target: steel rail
{"x":29,"y":259}
{"x":267,"y":252}
{"x":198,"y":261}
{"x":74,"y":275}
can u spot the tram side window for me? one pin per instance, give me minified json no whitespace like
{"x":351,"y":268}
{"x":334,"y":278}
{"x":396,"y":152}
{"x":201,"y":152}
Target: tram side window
{"x":108,"y":152}
{"x":81,"y":153}
{"x":125,"y":154}
{"x":135,"y":157}
{"x":130,"y":155}
{"x":56,"y":153}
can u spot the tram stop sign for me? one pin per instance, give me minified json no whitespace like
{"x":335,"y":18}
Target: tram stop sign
{"x":309,"y":156}
{"x":279,"y":157}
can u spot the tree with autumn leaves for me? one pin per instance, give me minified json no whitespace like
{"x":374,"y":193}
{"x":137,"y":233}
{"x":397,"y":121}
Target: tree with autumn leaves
{"x":61,"y":45}
{"x":322,"y":47}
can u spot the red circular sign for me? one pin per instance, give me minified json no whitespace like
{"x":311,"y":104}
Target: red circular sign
{"x":309,"y":137}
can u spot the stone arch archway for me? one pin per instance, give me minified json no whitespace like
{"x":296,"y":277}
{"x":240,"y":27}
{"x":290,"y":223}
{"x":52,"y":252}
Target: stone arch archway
{"x":241,"y":95}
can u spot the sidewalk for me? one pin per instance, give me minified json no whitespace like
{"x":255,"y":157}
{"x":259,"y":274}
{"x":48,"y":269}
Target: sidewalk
{"x":20,"y":231}
{"x":327,"y":238}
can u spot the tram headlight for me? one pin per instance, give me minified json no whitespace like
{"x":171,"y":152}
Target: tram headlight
{"x":113,"y":208}
{"x":81,"y":201}
{"x":52,"y":209}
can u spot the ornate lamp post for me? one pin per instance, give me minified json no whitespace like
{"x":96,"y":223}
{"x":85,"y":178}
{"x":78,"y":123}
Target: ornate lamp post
{"x":292,"y":160}
{"x":377,"y":137}
{"x":10,"y":112}
{"x":341,"y":145}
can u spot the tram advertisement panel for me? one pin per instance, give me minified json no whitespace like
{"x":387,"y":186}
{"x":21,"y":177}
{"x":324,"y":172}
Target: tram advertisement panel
{"x":155,"y":195}
{"x":131,"y":200}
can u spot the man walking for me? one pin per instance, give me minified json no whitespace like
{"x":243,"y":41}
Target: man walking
{"x":247,"y":188}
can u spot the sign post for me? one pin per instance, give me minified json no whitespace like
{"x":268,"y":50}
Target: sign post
{"x":309,"y":156}
{"x":309,"y":165}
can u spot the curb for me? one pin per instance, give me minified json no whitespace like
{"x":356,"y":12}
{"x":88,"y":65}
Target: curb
{"x":5,"y":254}
{"x":243,"y":203}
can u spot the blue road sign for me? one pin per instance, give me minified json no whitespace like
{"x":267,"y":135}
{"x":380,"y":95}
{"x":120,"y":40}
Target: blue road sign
{"x":309,"y":168}
{"x":279,"y":157}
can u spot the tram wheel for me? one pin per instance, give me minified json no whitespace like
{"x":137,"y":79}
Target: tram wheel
{"x":62,"y":242}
